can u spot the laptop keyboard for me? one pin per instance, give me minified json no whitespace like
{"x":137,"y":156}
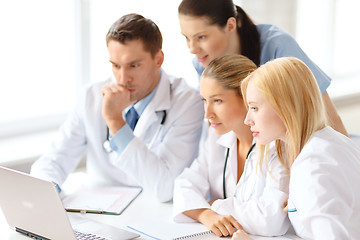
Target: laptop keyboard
{"x":87,"y":236}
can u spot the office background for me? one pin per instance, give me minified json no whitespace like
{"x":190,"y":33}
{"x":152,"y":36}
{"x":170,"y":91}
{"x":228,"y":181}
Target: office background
{"x":51,"y":48}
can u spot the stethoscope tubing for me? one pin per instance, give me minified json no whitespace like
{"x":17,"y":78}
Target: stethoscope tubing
{"x":225,"y":164}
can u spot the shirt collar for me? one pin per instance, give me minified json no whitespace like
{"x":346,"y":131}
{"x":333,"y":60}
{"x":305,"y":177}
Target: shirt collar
{"x":141,"y":105}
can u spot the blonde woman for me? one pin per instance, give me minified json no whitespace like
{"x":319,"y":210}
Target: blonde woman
{"x":222,"y":188}
{"x":285,"y":105}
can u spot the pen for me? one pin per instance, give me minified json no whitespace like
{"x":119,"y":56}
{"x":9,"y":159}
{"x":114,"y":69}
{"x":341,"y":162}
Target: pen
{"x":83,"y":211}
{"x":141,"y":232}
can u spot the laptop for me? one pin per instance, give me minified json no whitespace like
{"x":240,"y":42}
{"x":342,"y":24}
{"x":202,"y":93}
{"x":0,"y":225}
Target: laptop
{"x":33,"y":207}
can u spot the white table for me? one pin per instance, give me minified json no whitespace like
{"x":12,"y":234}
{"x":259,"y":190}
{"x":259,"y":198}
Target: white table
{"x":144,"y":209}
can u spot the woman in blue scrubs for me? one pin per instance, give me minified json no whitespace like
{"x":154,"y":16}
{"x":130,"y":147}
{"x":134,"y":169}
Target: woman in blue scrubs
{"x":214,"y":28}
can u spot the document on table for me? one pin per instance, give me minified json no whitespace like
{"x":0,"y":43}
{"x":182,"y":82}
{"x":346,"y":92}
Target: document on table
{"x":102,"y":200}
{"x":167,"y":229}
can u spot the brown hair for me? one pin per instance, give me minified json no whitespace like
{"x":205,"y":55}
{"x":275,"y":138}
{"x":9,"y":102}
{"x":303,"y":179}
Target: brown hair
{"x":217,"y":12}
{"x":135,"y":27}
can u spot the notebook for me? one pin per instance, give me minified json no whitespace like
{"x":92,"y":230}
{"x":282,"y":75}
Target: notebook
{"x":33,"y":207}
{"x":166,"y":229}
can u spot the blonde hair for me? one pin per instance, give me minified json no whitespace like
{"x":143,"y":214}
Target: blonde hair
{"x":290,"y":88}
{"x":229,"y":70}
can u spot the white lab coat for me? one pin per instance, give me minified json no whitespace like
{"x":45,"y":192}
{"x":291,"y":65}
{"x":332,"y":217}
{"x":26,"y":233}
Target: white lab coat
{"x":324,"y":188}
{"x":256,"y":201}
{"x":153,"y":167}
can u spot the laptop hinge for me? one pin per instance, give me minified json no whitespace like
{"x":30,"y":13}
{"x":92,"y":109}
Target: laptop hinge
{"x":29,"y":234}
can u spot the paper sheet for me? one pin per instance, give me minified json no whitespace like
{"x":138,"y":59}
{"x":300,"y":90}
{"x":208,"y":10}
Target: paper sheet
{"x":112,"y":200}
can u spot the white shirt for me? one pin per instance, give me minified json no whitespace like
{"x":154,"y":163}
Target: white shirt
{"x":256,"y":201}
{"x":324,"y":198}
{"x":153,"y":158}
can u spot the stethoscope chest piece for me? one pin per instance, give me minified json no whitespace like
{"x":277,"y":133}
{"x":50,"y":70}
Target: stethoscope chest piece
{"x":107,"y":146}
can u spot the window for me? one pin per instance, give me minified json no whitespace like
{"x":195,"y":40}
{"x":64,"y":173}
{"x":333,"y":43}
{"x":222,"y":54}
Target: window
{"x":327,"y":32}
{"x":38,"y":64}
{"x":49,"y":49}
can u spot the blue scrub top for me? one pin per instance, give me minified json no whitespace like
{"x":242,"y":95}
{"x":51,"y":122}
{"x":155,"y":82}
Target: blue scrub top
{"x":276,"y":43}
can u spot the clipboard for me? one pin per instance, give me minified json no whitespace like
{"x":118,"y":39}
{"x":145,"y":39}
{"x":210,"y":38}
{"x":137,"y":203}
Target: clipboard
{"x":101,"y":200}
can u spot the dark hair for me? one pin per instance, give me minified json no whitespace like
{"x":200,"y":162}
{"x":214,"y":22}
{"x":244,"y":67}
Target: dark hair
{"x":135,"y":27}
{"x":218,"y":12}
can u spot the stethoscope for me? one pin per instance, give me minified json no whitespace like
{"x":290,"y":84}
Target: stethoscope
{"x":226,"y":159}
{"x":106,"y":143}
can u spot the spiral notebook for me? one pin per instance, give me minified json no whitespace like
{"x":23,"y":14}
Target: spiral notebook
{"x":166,"y":229}
{"x":208,"y":235}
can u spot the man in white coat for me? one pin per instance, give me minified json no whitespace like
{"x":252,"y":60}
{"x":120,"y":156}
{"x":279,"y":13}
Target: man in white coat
{"x":150,"y":150}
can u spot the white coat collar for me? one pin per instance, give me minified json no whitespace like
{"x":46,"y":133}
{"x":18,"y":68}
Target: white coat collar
{"x":161,"y":101}
{"x":162,"y":97}
{"x":227,"y":140}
